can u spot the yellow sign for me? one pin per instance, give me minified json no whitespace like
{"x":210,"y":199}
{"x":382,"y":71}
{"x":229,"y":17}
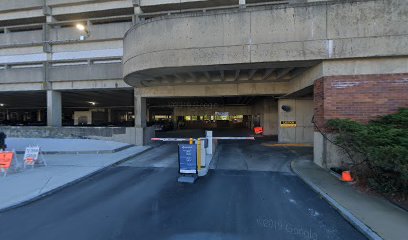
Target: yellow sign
{"x":288,"y":124}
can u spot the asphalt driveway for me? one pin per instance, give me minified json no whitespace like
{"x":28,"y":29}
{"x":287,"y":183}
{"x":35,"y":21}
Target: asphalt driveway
{"x":141,"y":199}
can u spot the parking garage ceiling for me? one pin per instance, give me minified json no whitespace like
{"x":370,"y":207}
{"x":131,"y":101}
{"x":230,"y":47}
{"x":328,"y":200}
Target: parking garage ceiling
{"x":70,"y":99}
{"x":219,"y":74}
{"x":23,"y":100}
{"x":203,"y":101}
{"x":225,"y":76}
{"x":101,"y":98}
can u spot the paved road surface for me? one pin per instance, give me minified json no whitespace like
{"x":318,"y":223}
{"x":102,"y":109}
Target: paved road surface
{"x":141,"y":199}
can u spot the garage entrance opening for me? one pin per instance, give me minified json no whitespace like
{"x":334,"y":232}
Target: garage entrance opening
{"x":226,"y":116}
{"x":98,"y":108}
{"x":23,"y":108}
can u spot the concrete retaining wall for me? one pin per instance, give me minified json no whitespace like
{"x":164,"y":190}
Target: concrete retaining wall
{"x":119,"y":134}
{"x":326,"y":154}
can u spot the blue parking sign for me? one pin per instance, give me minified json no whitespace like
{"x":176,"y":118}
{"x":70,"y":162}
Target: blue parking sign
{"x":187,"y":158}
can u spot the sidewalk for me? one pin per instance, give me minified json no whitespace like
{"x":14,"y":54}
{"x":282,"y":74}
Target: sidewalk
{"x":63,"y":169}
{"x":374,"y":216}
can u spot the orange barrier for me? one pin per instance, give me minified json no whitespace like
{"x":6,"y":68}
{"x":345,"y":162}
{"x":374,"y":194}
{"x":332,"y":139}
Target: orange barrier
{"x":5,"y":160}
{"x":258,"y":130}
{"x":346,"y":176}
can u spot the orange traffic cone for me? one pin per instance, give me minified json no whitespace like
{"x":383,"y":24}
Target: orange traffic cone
{"x":346,"y":176}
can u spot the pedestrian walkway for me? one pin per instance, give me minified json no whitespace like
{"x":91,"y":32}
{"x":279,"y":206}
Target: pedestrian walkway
{"x":71,"y":161}
{"x":374,"y":216}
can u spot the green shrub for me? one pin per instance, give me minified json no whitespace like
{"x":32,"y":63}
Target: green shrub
{"x":378,"y":150}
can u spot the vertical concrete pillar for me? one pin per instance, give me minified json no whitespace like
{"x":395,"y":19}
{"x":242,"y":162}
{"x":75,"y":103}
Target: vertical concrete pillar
{"x":301,"y":111}
{"x":137,"y":17}
{"x":7,"y":36}
{"x":140,"y":119}
{"x":39,"y":116}
{"x":140,"y":111}
{"x":109,"y":115}
{"x":270,"y":117}
{"x":54,"y":109}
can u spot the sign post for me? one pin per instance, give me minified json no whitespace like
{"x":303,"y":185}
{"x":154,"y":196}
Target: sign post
{"x":187,"y":158}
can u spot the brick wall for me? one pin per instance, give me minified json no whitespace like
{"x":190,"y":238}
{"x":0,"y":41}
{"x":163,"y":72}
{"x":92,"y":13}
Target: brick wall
{"x":359,"y":97}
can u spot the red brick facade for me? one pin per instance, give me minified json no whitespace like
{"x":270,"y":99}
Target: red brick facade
{"x":359,"y":97}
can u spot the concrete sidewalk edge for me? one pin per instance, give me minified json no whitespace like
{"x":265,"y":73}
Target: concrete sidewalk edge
{"x":59,"y":188}
{"x":353,"y":220}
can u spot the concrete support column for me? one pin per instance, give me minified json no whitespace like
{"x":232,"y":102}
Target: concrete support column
{"x":54,"y":109}
{"x":300,"y":111}
{"x":138,"y":11}
{"x":140,"y":111}
{"x":7,"y":35}
{"x":109,"y":115}
{"x":270,"y":117}
{"x":39,"y":116}
{"x":140,"y":119}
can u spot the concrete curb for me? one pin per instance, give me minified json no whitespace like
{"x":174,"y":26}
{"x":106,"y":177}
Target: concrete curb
{"x":353,"y":220}
{"x":57,"y":189}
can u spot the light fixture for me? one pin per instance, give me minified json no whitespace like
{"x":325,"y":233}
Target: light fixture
{"x":1,"y":104}
{"x":92,"y":103}
{"x":83,"y":28}
{"x":80,"y":27}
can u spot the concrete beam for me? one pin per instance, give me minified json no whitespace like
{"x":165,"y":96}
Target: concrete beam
{"x":90,"y":84}
{"x":251,"y":74}
{"x":213,"y":90}
{"x":86,"y":72}
{"x":281,"y":74}
{"x":368,"y":66}
{"x":237,"y":72}
{"x":268,"y":73}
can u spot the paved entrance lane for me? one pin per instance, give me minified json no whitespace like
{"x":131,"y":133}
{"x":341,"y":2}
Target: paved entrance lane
{"x":164,"y":155}
{"x":259,"y":155}
{"x":133,"y":202}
